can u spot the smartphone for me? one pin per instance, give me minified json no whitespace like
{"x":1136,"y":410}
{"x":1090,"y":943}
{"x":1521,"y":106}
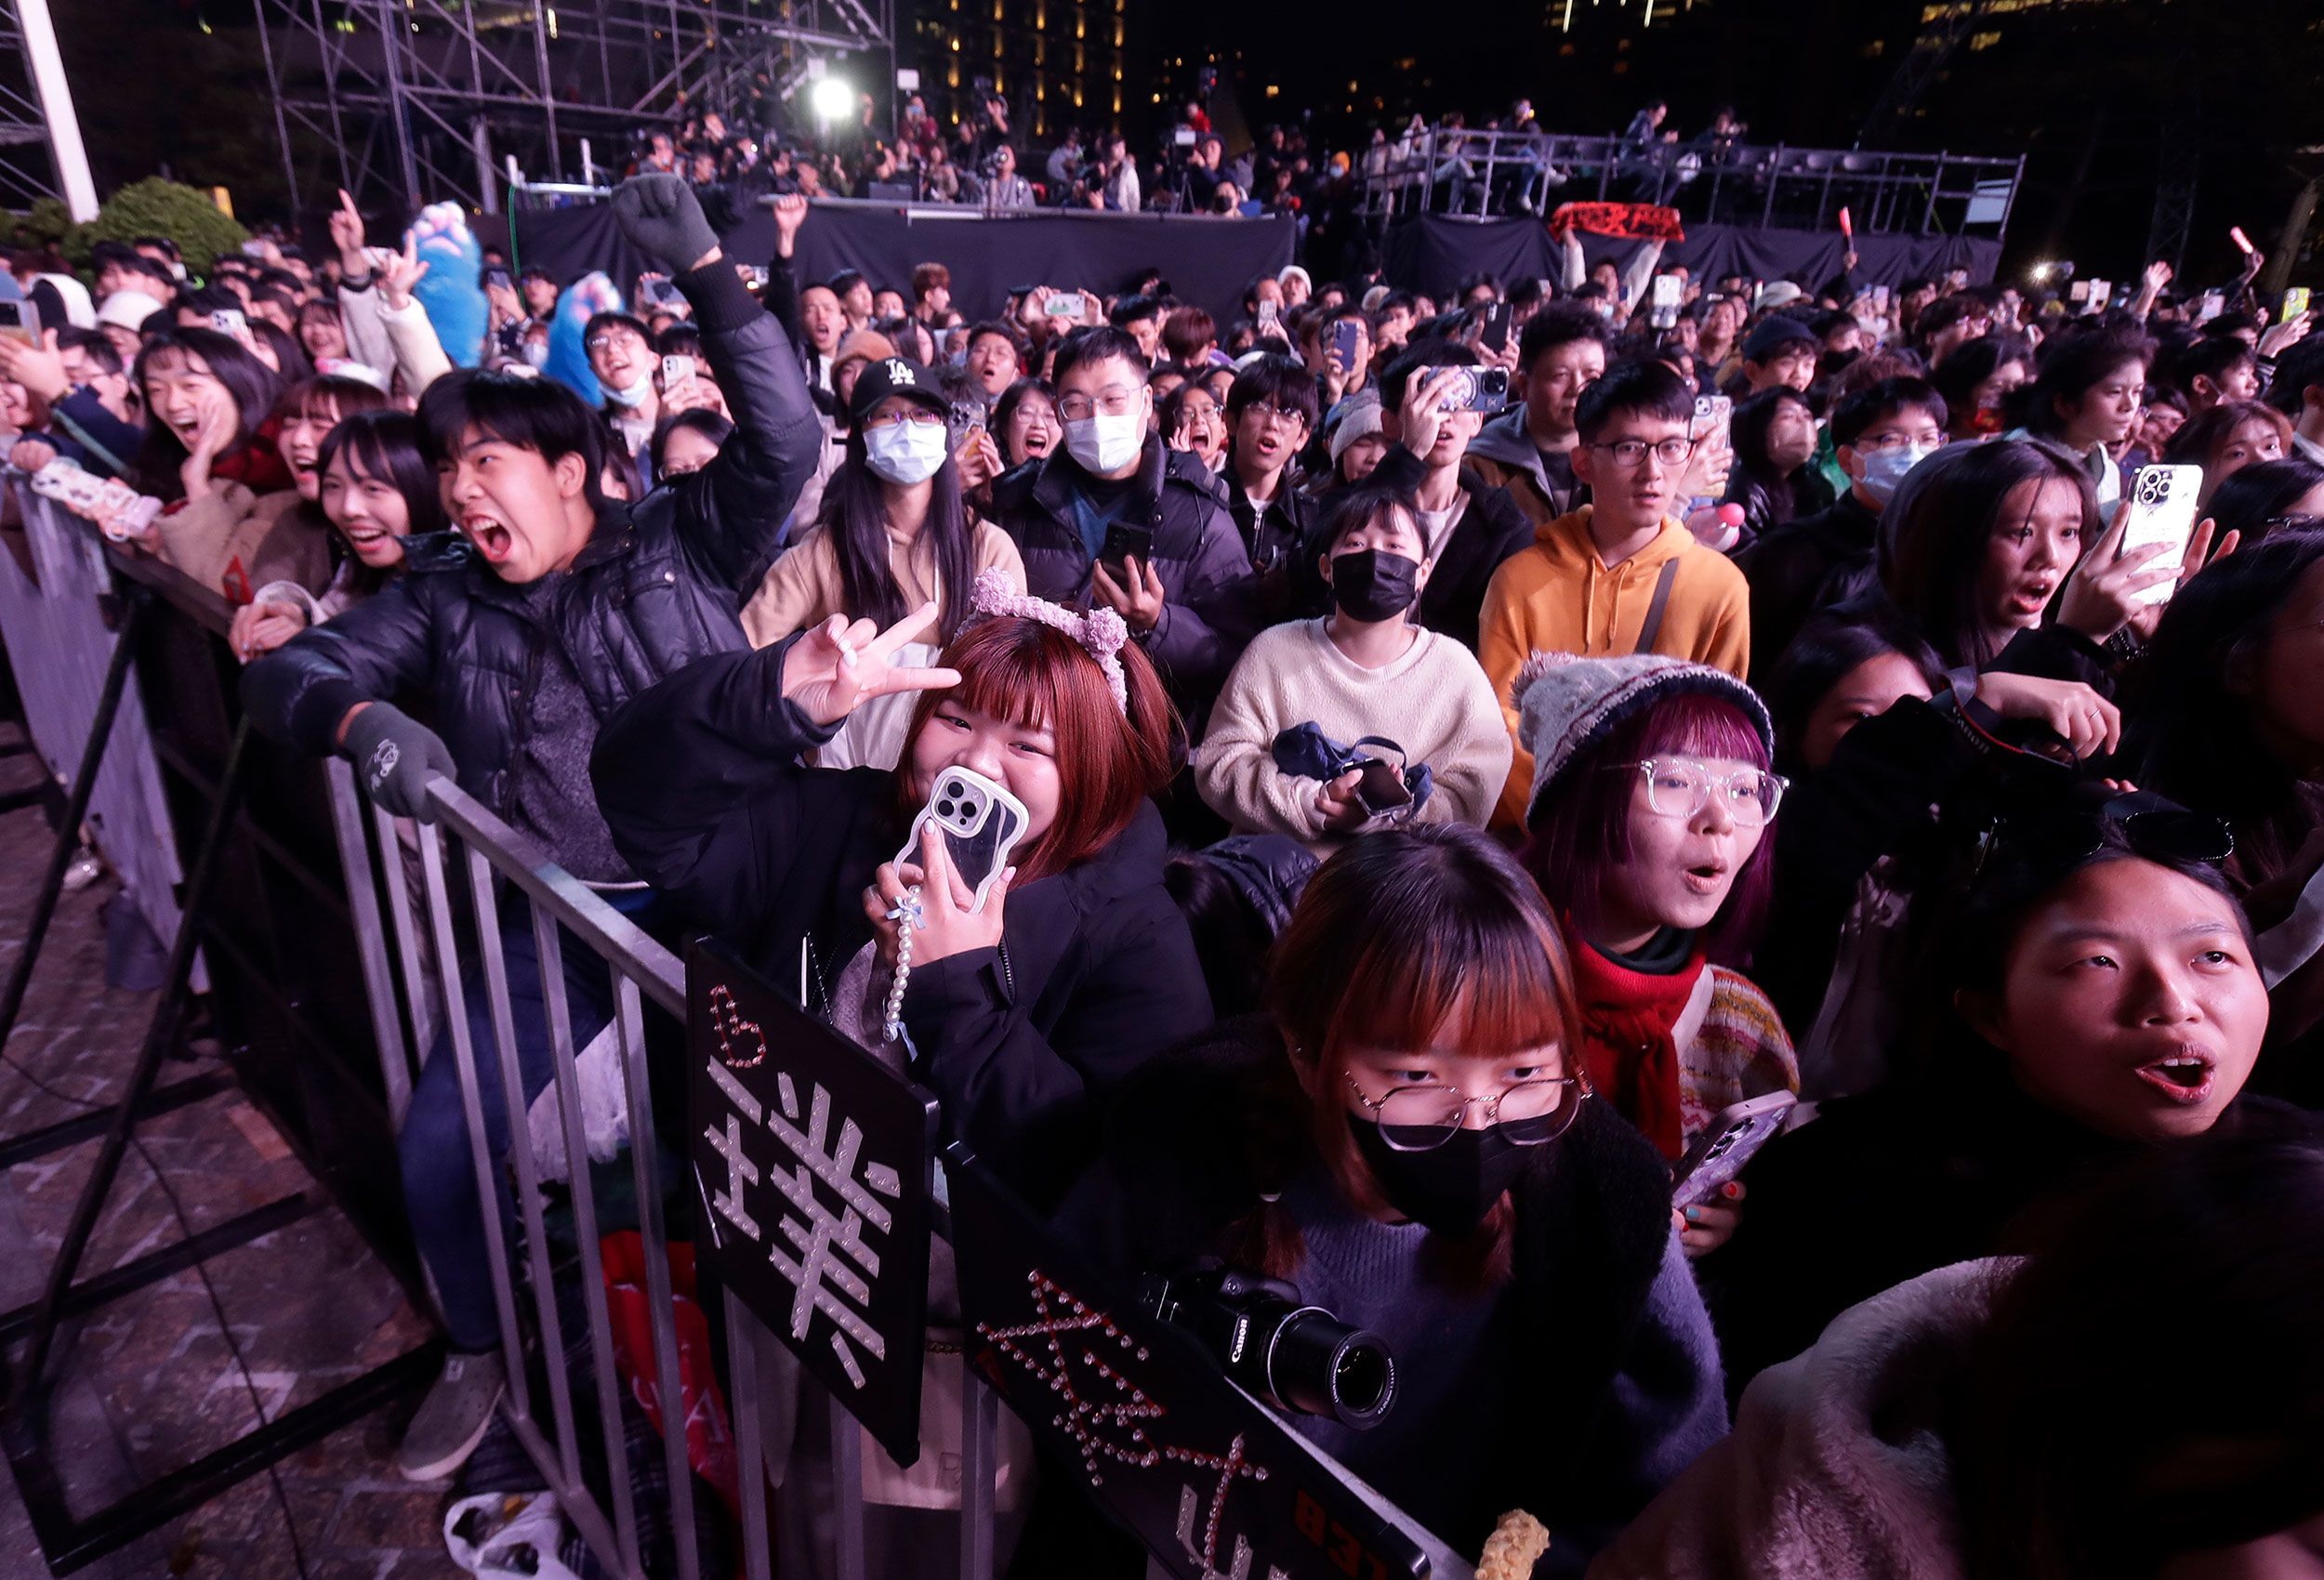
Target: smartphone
{"x":675,"y":371}
{"x":1713,"y":414}
{"x":2163,"y":511}
{"x":20,"y":320}
{"x":1270,"y":313}
{"x":660,"y":292}
{"x":2295,"y":303}
{"x":2079,"y":291}
{"x":1494,"y":338}
{"x":1064,"y":304}
{"x":226,"y":320}
{"x":963,"y":418}
{"x":1727,"y":1145}
{"x":1381,"y":789}
{"x":1346,"y":337}
{"x":499,"y":277}
{"x":755,"y":276}
{"x":1125,"y":543}
{"x":1669,"y":291}
{"x":1477,"y":388}
{"x":980,"y":823}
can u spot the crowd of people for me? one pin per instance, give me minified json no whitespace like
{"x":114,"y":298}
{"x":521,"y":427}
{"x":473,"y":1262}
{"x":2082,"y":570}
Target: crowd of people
{"x":1470,"y":754}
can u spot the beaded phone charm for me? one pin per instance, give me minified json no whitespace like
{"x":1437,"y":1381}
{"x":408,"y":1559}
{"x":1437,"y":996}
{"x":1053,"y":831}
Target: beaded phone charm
{"x":1102,"y":634}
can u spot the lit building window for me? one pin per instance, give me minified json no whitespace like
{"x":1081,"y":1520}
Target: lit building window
{"x":1117,"y":98}
{"x":1117,"y":32}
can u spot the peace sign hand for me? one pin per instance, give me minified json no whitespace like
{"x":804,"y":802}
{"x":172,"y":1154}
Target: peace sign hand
{"x":836,"y":665}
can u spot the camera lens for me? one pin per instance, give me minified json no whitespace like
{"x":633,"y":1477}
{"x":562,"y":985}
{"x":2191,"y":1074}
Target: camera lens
{"x":945,"y":809}
{"x":1323,"y":1366}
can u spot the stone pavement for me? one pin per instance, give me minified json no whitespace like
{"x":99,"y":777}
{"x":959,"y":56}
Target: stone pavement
{"x":149,"y":1382}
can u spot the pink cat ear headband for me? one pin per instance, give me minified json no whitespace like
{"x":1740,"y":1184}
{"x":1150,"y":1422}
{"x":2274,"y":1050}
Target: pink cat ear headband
{"x":1100,"y":631}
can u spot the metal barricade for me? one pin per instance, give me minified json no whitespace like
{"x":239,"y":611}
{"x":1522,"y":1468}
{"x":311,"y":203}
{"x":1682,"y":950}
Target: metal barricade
{"x":53,"y":616}
{"x":468,"y":849}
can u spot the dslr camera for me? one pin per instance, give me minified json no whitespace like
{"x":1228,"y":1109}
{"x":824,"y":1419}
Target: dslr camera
{"x":1270,"y":1343}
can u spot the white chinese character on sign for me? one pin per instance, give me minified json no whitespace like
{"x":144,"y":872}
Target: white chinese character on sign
{"x":819,"y":1249}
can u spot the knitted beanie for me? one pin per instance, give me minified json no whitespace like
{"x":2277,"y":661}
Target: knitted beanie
{"x":1567,"y":703}
{"x":1360,"y":418}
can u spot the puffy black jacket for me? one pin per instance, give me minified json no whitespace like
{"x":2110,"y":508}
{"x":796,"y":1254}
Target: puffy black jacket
{"x":1211,"y":611}
{"x":700,"y":781}
{"x":660,"y":582}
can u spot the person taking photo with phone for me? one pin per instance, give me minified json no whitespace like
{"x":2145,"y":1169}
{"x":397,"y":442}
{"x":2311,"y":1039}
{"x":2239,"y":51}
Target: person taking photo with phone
{"x":1468,"y":526}
{"x":894,"y":534}
{"x":1021,"y":1011}
{"x":566,"y":606}
{"x":1622,"y":575}
{"x":1364,"y":670}
{"x":1529,"y":449}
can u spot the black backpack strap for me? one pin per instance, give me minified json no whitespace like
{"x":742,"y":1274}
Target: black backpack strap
{"x":1653,"y":627}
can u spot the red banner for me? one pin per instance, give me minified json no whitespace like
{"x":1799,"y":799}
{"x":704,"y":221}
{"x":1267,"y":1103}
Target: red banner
{"x":1640,"y":222}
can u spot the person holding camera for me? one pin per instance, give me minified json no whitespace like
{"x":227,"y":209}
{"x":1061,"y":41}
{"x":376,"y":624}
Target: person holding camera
{"x":1364,"y":670}
{"x":1401,"y":1139}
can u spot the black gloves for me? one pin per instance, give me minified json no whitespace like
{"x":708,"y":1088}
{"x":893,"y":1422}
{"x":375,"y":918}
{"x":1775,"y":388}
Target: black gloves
{"x":658,"y":215}
{"x":393,"y":754}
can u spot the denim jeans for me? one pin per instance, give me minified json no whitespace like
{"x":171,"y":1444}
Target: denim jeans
{"x":440,"y":1192}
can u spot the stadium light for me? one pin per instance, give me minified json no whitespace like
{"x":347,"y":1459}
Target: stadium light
{"x":834,"y":99}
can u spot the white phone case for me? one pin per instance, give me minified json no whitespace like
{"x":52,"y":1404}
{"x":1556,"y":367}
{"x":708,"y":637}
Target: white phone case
{"x":982,"y":823}
{"x":2163,"y":511}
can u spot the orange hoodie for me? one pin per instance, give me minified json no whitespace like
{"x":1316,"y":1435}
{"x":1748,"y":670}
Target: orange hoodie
{"x":1559,"y":597}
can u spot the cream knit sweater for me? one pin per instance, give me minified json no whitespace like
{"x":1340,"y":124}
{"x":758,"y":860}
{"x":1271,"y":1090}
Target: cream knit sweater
{"x":1435,"y":701}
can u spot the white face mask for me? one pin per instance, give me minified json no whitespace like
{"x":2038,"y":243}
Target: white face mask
{"x":630,"y":396}
{"x":906,"y":451}
{"x":1105,"y":443}
{"x":1886,"y":469}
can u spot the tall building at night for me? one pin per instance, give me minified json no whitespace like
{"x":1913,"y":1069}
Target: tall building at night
{"x":1059,"y":63}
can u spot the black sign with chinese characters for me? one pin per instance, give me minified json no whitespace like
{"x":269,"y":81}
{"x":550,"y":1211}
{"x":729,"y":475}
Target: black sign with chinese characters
{"x":814,"y":1163}
{"x":1208,"y":1478}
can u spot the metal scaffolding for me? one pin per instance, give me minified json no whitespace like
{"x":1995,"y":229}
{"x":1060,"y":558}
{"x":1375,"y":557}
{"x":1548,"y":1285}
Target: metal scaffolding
{"x":409,"y":101}
{"x":28,"y":170}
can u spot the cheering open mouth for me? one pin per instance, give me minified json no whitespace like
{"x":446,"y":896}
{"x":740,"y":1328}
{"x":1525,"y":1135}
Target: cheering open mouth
{"x":494,"y":541}
{"x":2185,"y":1077}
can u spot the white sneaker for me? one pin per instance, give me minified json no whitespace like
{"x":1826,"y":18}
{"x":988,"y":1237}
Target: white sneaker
{"x":453,"y":1419}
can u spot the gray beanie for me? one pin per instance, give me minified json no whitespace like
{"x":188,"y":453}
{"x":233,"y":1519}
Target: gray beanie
{"x":1567,"y":703}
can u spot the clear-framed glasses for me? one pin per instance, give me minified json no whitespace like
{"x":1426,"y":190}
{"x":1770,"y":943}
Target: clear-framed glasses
{"x":1679,"y":787}
{"x":1417,"y":1119}
{"x":1631,"y":453}
{"x":1113,"y":403}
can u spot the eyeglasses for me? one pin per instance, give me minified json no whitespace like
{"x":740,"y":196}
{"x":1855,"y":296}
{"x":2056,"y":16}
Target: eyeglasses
{"x":1418,"y":1119}
{"x":1677,"y":787}
{"x":2154,"y":827}
{"x":1630,"y":452}
{"x":1113,"y":403}
{"x":1290,"y":416}
{"x":918,"y":415}
{"x":1898,"y":440}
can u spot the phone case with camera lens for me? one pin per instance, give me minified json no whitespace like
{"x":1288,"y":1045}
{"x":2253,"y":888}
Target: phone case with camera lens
{"x":981,"y":823}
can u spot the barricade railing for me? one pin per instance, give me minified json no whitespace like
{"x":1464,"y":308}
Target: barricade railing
{"x":466,"y":847}
{"x":1458,"y":170}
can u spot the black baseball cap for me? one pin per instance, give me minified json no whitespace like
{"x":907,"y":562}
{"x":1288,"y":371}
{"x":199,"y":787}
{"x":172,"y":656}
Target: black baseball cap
{"x":884,"y":376}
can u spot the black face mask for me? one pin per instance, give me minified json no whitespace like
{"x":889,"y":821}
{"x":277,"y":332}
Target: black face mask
{"x":1370,"y":585}
{"x":1450,"y":1188}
